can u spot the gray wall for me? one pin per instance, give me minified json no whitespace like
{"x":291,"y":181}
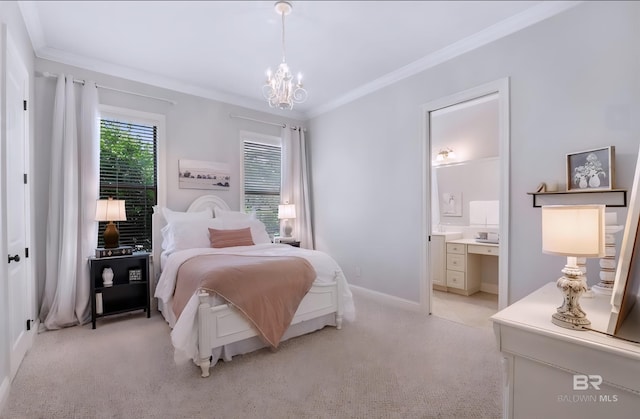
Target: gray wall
{"x":574,"y":85}
{"x":476,"y":180}
{"x":11,"y":17}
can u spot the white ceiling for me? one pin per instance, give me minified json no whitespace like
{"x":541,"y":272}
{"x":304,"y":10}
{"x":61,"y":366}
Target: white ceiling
{"x":221,"y":49}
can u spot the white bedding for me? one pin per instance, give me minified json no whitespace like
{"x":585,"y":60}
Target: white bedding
{"x":184,"y":335}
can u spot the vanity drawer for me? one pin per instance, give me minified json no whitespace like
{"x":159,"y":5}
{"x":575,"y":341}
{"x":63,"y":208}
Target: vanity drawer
{"x":455,"y":248}
{"x":455,"y":279}
{"x":455,"y":262}
{"x":483,"y":250}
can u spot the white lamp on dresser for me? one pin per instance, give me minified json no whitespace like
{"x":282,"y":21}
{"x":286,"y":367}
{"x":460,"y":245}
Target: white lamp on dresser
{"x":573,"y":231}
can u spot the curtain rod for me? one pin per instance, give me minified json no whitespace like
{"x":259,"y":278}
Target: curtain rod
{"x":277,"y":124}
{"x":99,"y":86}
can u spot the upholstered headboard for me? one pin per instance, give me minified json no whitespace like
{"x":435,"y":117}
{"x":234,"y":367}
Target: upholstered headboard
{"x":158,"y":222}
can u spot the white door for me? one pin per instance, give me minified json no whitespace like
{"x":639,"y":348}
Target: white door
{"x":20,"y":284}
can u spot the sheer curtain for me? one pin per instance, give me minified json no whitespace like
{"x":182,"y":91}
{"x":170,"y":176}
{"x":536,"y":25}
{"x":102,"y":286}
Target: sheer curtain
{"x":295,"y":183}
{"x":73,"y":191}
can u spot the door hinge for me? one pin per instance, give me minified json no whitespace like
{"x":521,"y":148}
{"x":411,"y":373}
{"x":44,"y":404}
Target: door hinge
{"x":25,"y":178}
{"x":24,"y":103}
{"x":26,"y":252}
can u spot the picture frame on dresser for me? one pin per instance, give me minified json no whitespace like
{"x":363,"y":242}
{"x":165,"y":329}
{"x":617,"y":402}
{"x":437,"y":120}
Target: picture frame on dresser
{"x":624,"y":321}
{"x":591,"y":169}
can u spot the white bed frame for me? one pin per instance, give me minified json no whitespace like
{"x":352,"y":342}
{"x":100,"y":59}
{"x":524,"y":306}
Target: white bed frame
{"x":223,"y":324}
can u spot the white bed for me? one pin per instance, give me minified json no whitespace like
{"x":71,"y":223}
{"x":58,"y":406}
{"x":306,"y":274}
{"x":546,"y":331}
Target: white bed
{"x":209,"y":329}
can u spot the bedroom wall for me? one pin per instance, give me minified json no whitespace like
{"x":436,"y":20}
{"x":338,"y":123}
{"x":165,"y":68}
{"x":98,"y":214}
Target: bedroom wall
{"x":196,"y":129}
{"x":11,"y":17}
{"x":574,"y":86}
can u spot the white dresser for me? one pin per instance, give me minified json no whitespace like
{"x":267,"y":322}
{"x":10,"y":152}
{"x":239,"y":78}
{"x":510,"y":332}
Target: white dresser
{"x":553,"y":372}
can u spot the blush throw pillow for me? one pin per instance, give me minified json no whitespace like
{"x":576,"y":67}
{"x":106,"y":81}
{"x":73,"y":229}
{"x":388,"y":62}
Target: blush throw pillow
{"x":230,"y":238}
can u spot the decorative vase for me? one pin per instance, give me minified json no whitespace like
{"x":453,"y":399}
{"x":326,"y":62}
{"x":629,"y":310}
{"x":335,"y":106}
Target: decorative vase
{"x":107,"y":277}
{"x":594,"y":181}
{"x":583,"y":183}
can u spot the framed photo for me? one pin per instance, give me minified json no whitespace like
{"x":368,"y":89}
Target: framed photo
{"x":135,"y":274}
{"x":451,"y":204}
{"x":195,"y":174}
{"x":591,"y":169}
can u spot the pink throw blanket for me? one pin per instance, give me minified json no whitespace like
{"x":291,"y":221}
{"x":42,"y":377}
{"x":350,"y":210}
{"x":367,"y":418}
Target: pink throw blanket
{"x":267,"y":290}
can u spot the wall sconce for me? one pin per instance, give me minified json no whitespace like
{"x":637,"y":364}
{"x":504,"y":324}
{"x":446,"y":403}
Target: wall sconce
{"x":573,"y":231}
{"x":445,"y":155}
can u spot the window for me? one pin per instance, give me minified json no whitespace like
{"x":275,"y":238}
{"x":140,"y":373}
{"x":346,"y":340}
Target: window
{"x":261,"y":179}
{"x":128,"y":170}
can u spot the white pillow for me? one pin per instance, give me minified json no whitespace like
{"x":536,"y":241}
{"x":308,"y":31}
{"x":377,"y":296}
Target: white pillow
{"x":194,"y":233}
{"x":233,"y":215}
{"x":258,"y":229}
{"x":171,"y":216}
{"x":188,"y":234}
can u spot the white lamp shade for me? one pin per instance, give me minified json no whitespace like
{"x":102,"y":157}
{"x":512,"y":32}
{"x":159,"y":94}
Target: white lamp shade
{"x":286,"y":211}
{"x":573,"y":230}
{"x":110,"y":210}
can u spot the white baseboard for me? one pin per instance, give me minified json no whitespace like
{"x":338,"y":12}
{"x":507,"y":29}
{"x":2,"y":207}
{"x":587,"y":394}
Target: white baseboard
{"x":490,"y":288}
{"x":387,"y":299}
{"x":4,"y":392}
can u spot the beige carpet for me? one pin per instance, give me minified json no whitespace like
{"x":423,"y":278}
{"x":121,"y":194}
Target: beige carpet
{"x":387,"y":364}
{"x":474,"y":310}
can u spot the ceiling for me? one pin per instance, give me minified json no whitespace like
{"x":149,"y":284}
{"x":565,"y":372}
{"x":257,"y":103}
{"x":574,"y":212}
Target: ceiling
{"x":221,"y":49}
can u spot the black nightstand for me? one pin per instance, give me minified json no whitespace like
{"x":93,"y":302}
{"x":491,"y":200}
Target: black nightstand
{"x":130,"y":289}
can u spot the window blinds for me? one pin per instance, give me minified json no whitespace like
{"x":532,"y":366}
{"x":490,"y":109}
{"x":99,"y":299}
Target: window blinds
{"x":128,"y":170}
{"x":262,"y":182}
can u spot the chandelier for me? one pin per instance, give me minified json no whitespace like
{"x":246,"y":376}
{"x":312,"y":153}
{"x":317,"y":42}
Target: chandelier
{"x":280,"y":90}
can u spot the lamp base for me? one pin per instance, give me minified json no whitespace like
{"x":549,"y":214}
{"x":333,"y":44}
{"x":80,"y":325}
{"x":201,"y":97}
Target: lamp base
{"x":287,"y":229}
{"x":570,"y":315}
{"x":111,"y":236}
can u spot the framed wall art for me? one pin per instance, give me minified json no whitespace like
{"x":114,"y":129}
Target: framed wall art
{"x":195,"y":174}
{"x":591,"y":169}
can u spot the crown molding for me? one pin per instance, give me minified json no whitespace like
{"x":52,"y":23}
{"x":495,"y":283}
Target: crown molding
{"x":31,"y":19}
{"x":499,"y":30}
{"x":159,"y":81}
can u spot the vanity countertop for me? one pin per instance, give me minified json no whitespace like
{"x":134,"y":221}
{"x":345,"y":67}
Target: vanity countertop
{"x":473,"y":241}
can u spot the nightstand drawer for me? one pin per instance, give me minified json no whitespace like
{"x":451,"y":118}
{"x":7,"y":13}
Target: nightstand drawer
{"x":483,"y":250}
{"x":456,"y":248}
{"x":455,"y":279}
{"x":455,"y":262}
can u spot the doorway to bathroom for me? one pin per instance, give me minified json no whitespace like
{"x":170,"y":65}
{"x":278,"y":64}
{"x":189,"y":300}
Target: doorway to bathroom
{"x":466,"y":139}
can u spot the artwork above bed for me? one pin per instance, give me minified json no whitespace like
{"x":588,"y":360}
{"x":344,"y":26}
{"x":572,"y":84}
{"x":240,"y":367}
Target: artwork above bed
{"x":207,"y":327}
{"x":195,"y":174}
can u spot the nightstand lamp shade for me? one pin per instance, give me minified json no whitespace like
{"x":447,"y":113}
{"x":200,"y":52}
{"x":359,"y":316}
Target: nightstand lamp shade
{"x":110,"y":210}
{"x":573,"y":231}
{"x":286,"y":212}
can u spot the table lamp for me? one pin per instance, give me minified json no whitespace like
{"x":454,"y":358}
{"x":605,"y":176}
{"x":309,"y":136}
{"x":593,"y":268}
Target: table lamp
{"x":286,"y":212}
{"x":573,"y":231}
{"x":110,"y":210}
